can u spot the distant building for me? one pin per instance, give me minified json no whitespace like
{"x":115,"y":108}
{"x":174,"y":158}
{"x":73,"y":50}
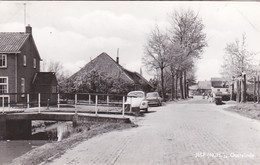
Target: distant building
{"x":204,"y":87}
{"x":214,"y":85}
{"x":104,"y":64}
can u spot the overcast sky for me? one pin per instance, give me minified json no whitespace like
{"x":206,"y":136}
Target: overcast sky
{"x":74,"y":32}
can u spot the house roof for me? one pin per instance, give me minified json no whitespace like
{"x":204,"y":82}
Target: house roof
{"x":193,"y":87}
{"x":138,"y":79}
{"x":104,"y":63}
{"x":45,"y":78}
{"x":11,"y":42}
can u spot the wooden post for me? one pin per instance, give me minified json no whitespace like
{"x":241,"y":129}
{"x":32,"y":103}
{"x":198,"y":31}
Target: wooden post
{"x":3,"y":103}
{"x":89,"y":99}
{"x":76,"y":100}
{"x":39,"y":103}
{"x":130,"y":104}
{"x":96,"y":104}
{"x":123,"y":113}
{"x":58,"y":101}
{"x":107,"y":102}
{"x":28,"y":100}
{"x":9,"y":103}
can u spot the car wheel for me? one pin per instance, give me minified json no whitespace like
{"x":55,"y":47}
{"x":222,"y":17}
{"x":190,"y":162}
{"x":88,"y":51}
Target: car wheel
{"x":146,"y":109}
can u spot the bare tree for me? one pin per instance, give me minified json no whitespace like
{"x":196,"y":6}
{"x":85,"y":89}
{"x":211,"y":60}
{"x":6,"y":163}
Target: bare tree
{"x":237,"y":59}
{"x":60,"y":73}
{"x":187,"y":30}
{"x":156,"y":53}
{"x":237,"y":62}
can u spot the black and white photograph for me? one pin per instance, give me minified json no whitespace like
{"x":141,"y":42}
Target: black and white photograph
{"x":130,"y":82}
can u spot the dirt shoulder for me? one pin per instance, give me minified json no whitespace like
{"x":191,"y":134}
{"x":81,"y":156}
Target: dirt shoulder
{"x":49,"y":151}
{"x":251,"y":110}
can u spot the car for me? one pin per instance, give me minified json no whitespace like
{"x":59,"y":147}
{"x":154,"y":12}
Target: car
{"x":136,"y":101}
{"x":154,"y":98}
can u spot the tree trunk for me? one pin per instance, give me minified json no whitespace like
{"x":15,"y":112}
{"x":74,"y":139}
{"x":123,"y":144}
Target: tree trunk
{"x":243,"y":93}
{"x":176,"y":86}
{"x":254,"y":89}
{"x":258,"y":89}
{"x":181,"y":85}
{"x":238,"y":91}
{"x":232,"y":91}
{"x":172,"y":88}
{"x":162,"y":84}
{"x":184,"y":84}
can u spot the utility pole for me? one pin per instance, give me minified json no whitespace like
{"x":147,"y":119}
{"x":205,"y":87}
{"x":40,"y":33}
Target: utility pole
{"x":24,"y":14}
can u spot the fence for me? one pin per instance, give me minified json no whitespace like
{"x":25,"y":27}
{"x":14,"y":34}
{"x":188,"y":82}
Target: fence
{"x":87,"y":102}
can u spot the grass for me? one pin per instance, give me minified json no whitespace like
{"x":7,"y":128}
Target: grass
{"x":251,"y":110}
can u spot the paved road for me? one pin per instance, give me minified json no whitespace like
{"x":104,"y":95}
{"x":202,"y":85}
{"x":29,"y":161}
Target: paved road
{"x":187,"y":132}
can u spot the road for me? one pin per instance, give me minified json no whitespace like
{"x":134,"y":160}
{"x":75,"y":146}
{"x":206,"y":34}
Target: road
{"x":185,"y":132}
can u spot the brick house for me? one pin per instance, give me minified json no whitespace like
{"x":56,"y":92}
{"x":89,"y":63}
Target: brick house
{"x":104,"y":64}
{"x":19,"y":63}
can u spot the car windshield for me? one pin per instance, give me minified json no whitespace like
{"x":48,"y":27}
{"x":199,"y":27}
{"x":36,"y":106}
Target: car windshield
{"x":153,"y":94}
{"x":136,"y":94}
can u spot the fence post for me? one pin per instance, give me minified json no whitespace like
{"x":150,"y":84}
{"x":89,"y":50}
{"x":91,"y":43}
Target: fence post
{"x":39,"y":103}
{"x":76,"y":100}
{"x":123,"y":113}
{"x":89,"y":99}
{"x":130,"y":104}
{"x":3,"y":103}
{"x":96,"y":104}
{"x":28,"y":100}
{"x":58,"y":101}
{"x":9,"y":103}
{"x":107,"y":102}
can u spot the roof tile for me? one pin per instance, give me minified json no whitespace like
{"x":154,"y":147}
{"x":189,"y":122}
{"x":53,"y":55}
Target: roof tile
{"x":12,"y":41}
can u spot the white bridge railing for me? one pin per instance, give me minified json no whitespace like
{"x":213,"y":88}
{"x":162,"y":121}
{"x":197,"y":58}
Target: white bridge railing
{"x":89,"y":102}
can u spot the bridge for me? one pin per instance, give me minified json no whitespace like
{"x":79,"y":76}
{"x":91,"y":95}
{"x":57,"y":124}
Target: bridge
{"x":18,"y":125}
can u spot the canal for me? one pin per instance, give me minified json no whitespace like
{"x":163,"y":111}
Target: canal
{"x":10,"y":150}
{"x":43,"y":132}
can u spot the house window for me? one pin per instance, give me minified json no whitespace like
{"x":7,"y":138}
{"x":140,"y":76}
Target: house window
{"x":24,"y":60}
{"x":3,"y":85}
{"x":34,"y":63}
{"x":22,"y":86}
{"x":3,"y":60}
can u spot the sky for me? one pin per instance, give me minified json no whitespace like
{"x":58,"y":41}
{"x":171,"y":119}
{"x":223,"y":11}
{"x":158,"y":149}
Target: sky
{"x":73,"y":33}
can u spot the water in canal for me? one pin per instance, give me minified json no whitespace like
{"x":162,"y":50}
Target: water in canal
{"x":11,"y":149}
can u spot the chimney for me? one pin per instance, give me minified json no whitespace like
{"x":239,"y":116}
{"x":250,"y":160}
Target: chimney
{"x":28,"y":29}
{"x":117,"y":58}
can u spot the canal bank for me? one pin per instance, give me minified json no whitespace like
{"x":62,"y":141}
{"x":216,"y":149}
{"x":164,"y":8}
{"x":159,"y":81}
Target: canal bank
{"x":84,"y":131}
